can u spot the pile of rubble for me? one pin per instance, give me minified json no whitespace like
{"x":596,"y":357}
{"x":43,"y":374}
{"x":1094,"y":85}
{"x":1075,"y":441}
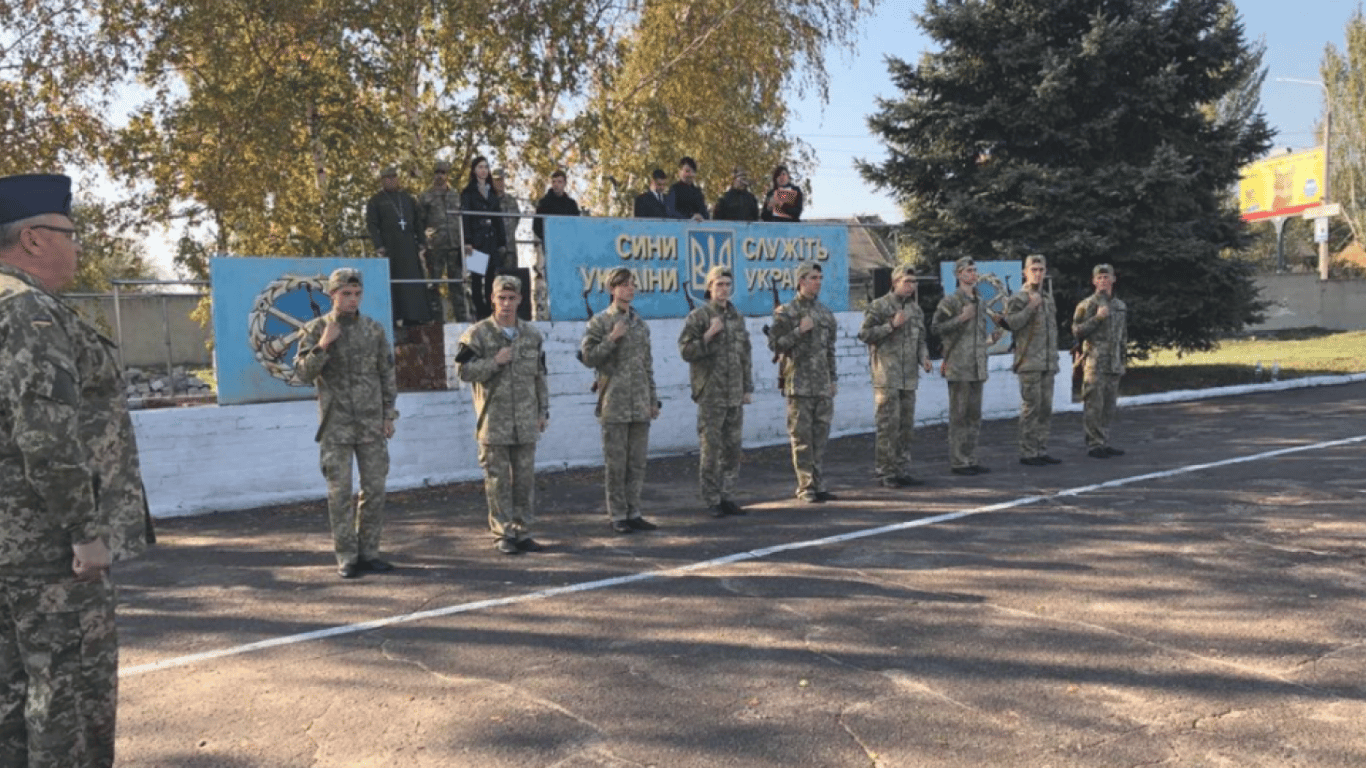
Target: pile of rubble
{"x":141,"y":385}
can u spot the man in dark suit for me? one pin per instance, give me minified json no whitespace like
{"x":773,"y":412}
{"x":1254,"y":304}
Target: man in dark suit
{"x":650,"y":203}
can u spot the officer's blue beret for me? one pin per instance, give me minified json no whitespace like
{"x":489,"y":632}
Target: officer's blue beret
{"x":24,"y":196}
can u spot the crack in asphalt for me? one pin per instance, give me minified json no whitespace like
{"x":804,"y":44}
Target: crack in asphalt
{"x":1251,"y":671}
{"x":1313,"y":660}
{"x":515,"y":691}
{"x":873,"y":760}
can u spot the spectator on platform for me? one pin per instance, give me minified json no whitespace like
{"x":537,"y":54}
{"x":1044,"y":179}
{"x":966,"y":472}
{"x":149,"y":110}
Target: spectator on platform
{"x":738,"y":204}
{"x":685,"y":199}
{"x":445,"y":259}
{"x":784,"y":200}
{"x":483,"y":233}
{"x":397,"y":229}
{"x":650,"y":203}
{"x":509,"y":205}
{"x":556,"y":202}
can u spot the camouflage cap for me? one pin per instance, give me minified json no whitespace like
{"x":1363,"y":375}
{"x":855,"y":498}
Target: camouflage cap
{"x":442,"y":167}
{"x":902,"y":271}
{"x":507,"y":283}
{"x":807,"y":268}
{"x":389,"y":172}
{"x":23,"y":197}
{"x":1035,"y":258}
{"x":963,"y":263}
{"x":341,"y":278}
{"x":496,"y":174}
{"x":1102,"y":269}
{"x":619,"y":276}
{"x":718,"y":272}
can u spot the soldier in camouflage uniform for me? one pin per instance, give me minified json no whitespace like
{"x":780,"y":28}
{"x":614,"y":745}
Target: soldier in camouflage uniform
{"x":540,"y":300}
{"x":803,"y":335}
{"x":71,"y":498}
{"x":1032,"y":316}
{"x":440,"y":206}
{"x":617,"y":344}
{"x":347,"y":357}
{"x":715,"y":344}
{"x":503,"y":357}
{"x":894,"y":330}
{"x":961,"y":320}
{"x":1099,"y":324}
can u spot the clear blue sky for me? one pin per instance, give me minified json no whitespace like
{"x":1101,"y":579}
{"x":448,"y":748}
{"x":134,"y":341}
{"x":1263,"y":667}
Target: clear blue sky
{"x":1295,"y":34}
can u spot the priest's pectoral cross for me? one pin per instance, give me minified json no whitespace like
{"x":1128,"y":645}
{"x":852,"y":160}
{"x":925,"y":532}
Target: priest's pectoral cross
{"x":402,"y":224}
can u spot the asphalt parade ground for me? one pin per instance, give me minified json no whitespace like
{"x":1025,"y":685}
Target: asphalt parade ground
{"x":1196,"y":602}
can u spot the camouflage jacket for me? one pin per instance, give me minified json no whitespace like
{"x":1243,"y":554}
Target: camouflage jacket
{"x":1035,"y":330}
{"x":68,"y":461}
{"x":1103,"y":339}
{"x":509,"y":204}
{"x":965,"y":341}
{"x":441,"y":211}
{"x":354,"y":376}
{"x":721,"y":370}
{"x":808,"y":359}
{"x":625,"y":367}
{"x":509,"y":400}
{"x":896,"y":353}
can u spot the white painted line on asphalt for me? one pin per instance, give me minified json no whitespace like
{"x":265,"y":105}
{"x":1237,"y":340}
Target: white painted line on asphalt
{"x":738,"y":557}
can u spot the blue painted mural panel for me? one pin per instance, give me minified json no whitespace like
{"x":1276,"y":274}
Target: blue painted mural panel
{"x":259,"y":308}
{"x":671,"y":259}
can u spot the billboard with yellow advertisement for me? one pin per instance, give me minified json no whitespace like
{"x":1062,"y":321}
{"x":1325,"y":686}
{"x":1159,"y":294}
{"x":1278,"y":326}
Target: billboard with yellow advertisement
{"x":1281,"y":186}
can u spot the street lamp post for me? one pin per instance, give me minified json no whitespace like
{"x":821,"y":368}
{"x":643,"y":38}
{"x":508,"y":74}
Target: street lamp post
{"x":1327,"y":159}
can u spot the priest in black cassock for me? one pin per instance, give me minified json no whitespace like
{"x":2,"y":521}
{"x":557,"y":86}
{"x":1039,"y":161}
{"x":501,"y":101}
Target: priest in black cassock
{"x":395,"y":224}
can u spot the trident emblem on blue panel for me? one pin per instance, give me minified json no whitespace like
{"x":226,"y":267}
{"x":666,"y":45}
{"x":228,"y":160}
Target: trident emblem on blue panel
{"x":708,"y":248}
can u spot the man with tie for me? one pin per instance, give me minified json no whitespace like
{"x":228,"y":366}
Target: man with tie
{"x":650,"y":203}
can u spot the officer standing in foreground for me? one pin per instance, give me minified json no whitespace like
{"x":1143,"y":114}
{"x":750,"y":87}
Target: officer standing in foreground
{"x":503,"y":358}
{"x":1101,"y":326}
{"x":961,"y":319}
{"x":1033,"y":317}
{"x":715,"y":345}
{"x":803,"y":335}
{"x":894,"y":330}
{"x":616,"y":344}
{"x":70,"y":495}
{"x":347,"y":357}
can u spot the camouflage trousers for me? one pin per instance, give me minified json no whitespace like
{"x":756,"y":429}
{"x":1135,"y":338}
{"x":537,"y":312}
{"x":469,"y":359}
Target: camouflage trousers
{"x":357,"y":521}
{"x":965,"y":422}
{"x":59,"y":659}
{"x":1036,"y":412}
{"x":1099,"y":392}
{"x":449,"y":263}
{"x":625,"y":448}
{"x":895,"y":417}
{"x":720,"y":432}
{"x":540,"y":294}
{"x":808,"y":425}
{"x":510,"y":486}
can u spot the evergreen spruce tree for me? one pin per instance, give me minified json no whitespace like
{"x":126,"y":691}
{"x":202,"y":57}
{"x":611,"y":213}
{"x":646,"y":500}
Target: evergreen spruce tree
{"x":1089,"y":131}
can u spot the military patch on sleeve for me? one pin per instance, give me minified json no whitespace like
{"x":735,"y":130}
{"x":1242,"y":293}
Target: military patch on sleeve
{"x":464,"y":354}
{"x":41,"y":321}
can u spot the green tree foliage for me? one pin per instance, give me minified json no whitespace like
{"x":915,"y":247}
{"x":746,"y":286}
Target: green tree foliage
{"x":710,"y":79}
{"x":1344,"y":74}
{"x":108,"y":252}
{"x":271,"y":121}
{"x":1086,"y":130}
{"x":58,"y":65}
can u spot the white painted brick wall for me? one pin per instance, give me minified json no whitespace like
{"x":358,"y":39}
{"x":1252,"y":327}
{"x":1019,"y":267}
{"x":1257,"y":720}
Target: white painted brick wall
{"x":213,"y":458}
